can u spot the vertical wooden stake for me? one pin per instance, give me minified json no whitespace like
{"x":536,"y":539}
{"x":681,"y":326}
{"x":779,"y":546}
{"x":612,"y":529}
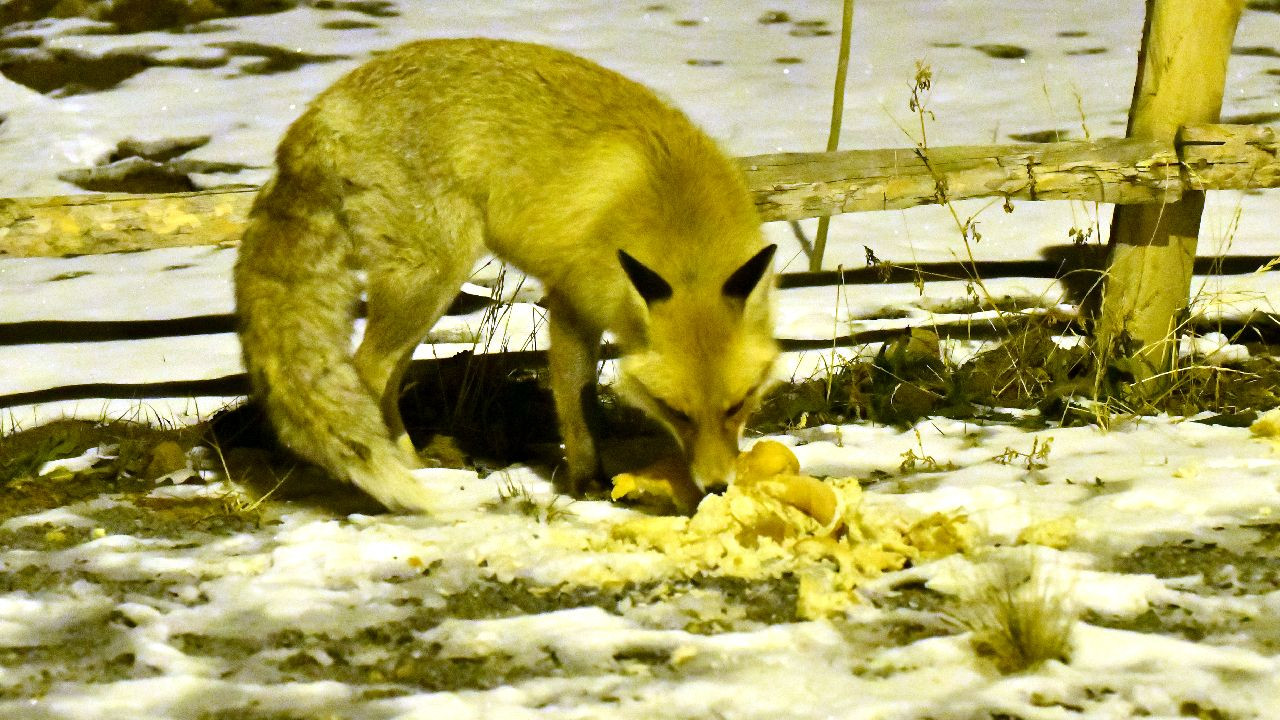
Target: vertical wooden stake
{"x":1182,"y":70}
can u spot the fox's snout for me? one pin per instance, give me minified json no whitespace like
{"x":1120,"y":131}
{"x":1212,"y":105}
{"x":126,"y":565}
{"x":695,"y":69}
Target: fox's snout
{"x":712,"y":455}
{"x":705,"y":354}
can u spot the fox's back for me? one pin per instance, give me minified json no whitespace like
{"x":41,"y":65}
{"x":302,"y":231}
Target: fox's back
{"x":548,"y":142}
{"x":485,"y":107}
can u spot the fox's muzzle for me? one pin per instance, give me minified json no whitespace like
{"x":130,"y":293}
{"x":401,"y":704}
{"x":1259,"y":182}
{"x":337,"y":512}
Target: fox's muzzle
{"x":712,"y":456}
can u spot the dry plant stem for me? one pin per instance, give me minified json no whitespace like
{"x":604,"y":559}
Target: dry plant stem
{"x":837,"y":119}
{"x":491,"y":324}
{"x":1181,"y":75}
{"x":920,"y":88}
{"x":835,"y":332}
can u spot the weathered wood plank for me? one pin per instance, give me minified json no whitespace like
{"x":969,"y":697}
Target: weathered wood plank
{"x":787,"y":186}
{"x":1230,"y":156}
{"x":792,"y":186}
{"x":91,"y":224}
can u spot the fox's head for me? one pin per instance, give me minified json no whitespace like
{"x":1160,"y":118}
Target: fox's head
{"x":707,"y":360}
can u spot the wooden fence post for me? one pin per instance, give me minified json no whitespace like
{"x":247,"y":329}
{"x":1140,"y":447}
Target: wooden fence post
{"x":1182,"y":69}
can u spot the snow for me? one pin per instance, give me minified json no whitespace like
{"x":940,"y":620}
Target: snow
{"x":319,"y":574}
{"x":1139,"y":483}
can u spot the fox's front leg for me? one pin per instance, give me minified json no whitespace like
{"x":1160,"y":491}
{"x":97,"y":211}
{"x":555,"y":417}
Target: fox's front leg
{"x":574,"y":354}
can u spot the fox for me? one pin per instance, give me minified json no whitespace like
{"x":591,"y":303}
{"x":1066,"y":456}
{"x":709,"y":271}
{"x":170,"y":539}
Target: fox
{"x":404,"y":173}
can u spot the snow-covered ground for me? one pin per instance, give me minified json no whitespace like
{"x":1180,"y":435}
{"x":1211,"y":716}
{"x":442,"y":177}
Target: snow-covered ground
{"x":308,"y":614}
{"x":1076,"y":75}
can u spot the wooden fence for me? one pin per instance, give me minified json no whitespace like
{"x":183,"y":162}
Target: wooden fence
{"x":787,"y":186}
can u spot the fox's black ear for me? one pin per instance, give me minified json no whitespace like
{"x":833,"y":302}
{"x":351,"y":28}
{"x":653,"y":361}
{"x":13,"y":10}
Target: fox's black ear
{"x":648,"y":283}
{"x":744,"y":279}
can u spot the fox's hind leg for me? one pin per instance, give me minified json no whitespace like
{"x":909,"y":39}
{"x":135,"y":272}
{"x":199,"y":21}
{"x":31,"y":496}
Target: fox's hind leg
{"x":573,"y":357}
{"x":410,"y":285}
{"x":400,"y":315}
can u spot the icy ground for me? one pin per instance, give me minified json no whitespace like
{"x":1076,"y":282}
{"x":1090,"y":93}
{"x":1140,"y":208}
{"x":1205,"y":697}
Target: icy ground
{"x":493,"y":611}
{"x":1166,"y":537}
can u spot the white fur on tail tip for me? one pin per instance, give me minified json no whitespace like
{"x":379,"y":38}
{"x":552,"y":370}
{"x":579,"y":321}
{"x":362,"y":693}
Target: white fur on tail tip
{"x":400,"y":492}
{"x":391,"y":483}
{"x":458,"y":493}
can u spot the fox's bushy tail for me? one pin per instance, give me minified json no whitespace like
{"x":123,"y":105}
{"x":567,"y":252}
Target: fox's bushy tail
{"x":296,"y":295}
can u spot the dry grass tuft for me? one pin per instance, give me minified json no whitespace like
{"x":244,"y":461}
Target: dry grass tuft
{"x":1017,"y":616}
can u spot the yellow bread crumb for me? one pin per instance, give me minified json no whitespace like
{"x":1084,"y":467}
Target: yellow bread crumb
{"x":774,"y":521}
{"x":1057,"y":533}
{"x":1267,"y":427}
{"x":665,"y":482}
{"x":683,"y":654}
{"x":766,"y":459}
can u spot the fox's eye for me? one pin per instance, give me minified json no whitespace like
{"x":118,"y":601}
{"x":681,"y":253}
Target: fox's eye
{"x":737,"y":407}
{"x":677,"y":415}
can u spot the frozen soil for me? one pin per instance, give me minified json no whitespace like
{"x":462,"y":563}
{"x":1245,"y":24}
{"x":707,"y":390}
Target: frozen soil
{"x":1207,"y":571}
{"x":58,"y":529}
{"x":114,"y":499}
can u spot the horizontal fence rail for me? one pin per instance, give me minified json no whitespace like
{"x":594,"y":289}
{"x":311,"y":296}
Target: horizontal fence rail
{"x":793,"y":186}
{"x":787,"y":186}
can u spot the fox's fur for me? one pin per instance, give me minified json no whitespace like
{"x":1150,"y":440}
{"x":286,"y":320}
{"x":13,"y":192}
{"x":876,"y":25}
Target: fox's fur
{"x":414,"y":165}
